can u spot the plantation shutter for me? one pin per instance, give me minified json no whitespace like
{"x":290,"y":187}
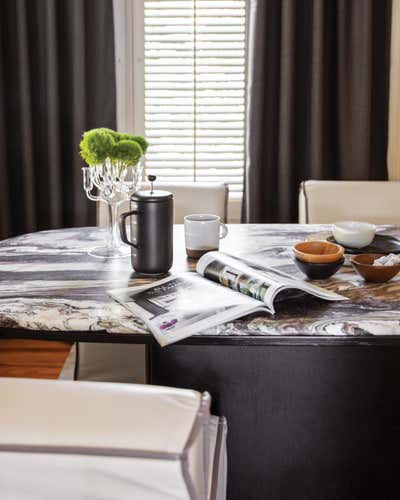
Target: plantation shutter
{"x":195,"y":90}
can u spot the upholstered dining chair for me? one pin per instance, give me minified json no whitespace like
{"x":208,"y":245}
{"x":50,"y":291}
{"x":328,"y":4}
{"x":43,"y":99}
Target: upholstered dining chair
{"x":126,"y":363}
{"x":189,"y":198}
{"x":81,"y":440}
{"x":323,"y":202}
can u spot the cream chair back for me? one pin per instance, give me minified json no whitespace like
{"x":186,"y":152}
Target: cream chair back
{"x":189,"y":198}
{"x":87,"y":440}
{"x":324,"y":202}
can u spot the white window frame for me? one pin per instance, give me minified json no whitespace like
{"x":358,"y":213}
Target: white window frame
{"x":129,"y":64}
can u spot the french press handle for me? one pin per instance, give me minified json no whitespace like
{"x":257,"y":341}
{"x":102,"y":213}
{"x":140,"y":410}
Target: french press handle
{"x":122,"y":227}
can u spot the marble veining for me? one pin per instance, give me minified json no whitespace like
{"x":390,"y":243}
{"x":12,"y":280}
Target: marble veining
{"x":48,"y":282}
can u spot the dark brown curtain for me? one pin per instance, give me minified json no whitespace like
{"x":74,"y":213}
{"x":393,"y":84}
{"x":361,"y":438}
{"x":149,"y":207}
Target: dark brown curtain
{"x":317,"y":98}
{"x":57,"y":79}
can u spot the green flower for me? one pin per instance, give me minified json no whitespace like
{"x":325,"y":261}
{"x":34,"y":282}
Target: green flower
{"x":115,"y":135}
{"x":127,"y":152}
{"x":96,"y":145}
{"x":137,"y":138}
{"x":122,"y":149}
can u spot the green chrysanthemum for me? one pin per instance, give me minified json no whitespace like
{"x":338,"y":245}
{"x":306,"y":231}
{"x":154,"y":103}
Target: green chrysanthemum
{"x":137,"y":138}
{"x":122,"y":149}
{"x":127,"y":152}
{"x":96,"y":145}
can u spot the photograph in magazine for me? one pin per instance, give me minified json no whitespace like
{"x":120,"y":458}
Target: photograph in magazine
{"x":236,"y":280}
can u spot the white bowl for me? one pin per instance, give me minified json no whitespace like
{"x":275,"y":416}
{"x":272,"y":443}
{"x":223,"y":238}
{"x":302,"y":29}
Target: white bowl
{"x":354,"y":234}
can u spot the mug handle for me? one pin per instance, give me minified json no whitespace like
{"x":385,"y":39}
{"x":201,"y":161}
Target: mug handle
{"x":122,"y":227}
{"x":224,"y":231}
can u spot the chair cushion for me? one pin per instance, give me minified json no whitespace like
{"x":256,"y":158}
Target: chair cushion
{"x":25,"y":476}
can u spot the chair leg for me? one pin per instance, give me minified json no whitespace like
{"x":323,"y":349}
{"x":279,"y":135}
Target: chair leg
{"x":68,"y":371}
{"x":108,"y":362}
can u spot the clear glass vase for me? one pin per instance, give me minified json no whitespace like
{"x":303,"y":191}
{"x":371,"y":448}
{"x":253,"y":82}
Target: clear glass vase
{"x":114,"y":186}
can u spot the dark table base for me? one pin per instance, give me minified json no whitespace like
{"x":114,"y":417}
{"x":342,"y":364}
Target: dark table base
{"x":305,"y":422}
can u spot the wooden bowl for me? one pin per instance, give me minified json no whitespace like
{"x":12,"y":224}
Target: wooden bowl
{"x":317,"y":270}
{"x":363,"y":264}
{"x":318,"y":252}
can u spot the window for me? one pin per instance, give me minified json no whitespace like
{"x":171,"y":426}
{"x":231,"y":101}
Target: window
{"x":194,"y":65}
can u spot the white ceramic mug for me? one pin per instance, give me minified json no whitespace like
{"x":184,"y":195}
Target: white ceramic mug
{"x":202,"y":233}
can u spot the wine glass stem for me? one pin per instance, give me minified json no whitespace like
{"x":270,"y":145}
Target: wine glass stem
{"x":114,"y":239}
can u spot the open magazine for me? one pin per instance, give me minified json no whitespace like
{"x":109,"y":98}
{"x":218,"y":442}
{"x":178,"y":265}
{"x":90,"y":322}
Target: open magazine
{"x":222,"y":289}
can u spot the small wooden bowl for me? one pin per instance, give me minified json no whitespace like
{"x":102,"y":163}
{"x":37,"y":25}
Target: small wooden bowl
{"x":363,"y":264}
{"x":318,"y":252}
{"x":318,"y":271}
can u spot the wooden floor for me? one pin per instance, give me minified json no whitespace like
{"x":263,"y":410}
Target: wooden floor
{"x":32,"y":358}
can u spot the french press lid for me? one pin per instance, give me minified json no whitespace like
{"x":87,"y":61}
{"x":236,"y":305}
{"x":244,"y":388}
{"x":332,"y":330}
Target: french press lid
{"x":151,"y":195}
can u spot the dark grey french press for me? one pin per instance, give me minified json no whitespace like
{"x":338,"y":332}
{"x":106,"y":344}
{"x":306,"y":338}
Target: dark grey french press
{"x":151,"y":230}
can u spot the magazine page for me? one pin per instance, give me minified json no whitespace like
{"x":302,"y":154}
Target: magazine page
{"x":234,"y":273}
{"x":179,"y":306}
{"x":259,"y":282}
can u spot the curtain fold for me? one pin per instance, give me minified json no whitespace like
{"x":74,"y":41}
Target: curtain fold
{"x":57,"y":79}
{"x":318,"y":78}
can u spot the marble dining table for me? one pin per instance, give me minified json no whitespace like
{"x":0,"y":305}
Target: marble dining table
{"x":311,"y":394}
{"x":50,"y":287}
